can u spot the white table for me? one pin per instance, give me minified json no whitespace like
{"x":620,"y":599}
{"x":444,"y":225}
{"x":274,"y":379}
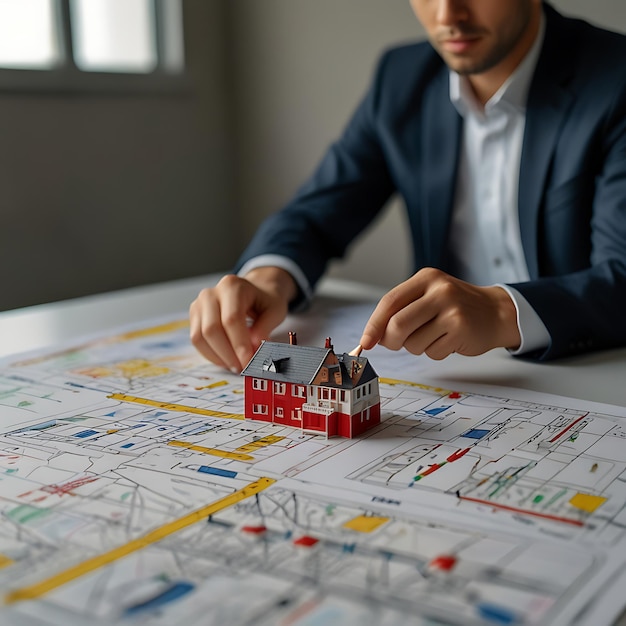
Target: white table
{"x":599,"y":377}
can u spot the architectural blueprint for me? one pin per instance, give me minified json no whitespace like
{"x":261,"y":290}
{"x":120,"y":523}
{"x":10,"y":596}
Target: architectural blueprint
{"x":133,"y":491}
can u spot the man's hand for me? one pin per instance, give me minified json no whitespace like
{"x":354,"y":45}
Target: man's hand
{"x":220,"y":316}
{"x":437,"y":314}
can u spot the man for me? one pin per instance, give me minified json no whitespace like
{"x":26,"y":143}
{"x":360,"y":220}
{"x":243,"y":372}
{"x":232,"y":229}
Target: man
{"x":505,"y":134}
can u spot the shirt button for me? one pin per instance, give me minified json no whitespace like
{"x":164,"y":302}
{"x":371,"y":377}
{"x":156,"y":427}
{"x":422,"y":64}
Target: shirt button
{"x":497,"y":261}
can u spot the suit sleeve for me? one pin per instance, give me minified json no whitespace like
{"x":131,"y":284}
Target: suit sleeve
{"x":586,"y":310}
{"x":348,"y":189}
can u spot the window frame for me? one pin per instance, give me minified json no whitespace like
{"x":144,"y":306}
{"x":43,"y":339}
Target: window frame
{"x":67,"y":77}
{"x":259,"y":384}
{"x":298,"y":391}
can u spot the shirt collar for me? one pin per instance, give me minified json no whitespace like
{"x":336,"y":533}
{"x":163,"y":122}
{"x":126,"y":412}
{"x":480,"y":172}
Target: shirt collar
{"x":514,"y":90}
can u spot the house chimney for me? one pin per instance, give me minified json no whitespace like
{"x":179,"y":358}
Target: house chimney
{"x":328,"y":345}
{"x":293,"y":340}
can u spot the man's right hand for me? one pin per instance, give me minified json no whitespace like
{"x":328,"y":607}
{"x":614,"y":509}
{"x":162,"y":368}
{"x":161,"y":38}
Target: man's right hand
{"x":229,"y":321}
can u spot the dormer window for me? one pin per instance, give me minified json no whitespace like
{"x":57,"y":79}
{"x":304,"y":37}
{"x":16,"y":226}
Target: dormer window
{"x":275,"y":365}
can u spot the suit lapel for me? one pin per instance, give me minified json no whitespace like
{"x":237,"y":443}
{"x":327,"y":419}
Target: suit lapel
{"x":547,"y":107}
{"x":441,"y":133}
{"x":548,"y":104}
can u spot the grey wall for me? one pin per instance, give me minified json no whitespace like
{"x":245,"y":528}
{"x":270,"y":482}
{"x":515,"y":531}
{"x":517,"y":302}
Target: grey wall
{"x":302,"y":68}
{"x":101,"y":191}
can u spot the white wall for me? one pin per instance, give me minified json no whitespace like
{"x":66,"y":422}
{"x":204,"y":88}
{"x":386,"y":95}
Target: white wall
{"x":302,"y":66}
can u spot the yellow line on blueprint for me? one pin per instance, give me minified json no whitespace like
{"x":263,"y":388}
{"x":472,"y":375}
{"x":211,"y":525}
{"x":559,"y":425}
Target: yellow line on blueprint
{"x":5,"y":561}
{"x":219,"y":383}
{"x":213,"y":451}
{"x":45,"y":586}
{"x":169,"y":406}
{"x":393,"y":381}
{"x":154,"y":330}
{"x":143,"y":332}
{"x":268,"y":440}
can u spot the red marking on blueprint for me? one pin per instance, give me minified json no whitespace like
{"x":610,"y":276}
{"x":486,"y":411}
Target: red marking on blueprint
{"x":68,"y":487}
{"x":254,"y":530}
{"x":514,"y":509}
{"x":457,"y":455}
{"x":299,"y":612}
{"x":567,"y":428}
{"x":433,"y":468}
{"x":442,"y":563}
{"x":60,"y":490}
{"x":306,"y":541}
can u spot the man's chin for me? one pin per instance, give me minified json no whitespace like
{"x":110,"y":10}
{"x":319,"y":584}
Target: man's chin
{"x":465,"y":66}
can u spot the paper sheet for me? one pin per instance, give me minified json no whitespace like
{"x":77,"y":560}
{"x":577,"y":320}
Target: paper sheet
{"x":133,"y":491}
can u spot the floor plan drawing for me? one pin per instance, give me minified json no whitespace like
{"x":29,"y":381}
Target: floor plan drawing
{"x":542,"y":462}
{"x":133,"y":490}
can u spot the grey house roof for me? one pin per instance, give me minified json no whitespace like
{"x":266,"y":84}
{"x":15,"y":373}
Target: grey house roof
{"x":283,"y":362}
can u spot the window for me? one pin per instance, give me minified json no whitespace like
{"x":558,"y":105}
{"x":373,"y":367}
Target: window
{"x":259,"y":409}
{"x":323,"y":393}
{"x":297,"y":391}
{"x":78,"y":43}
{"x":27,"y":34}
{"x":280,"y":389}
{"x":113,"y":35}
{"x":279,"y":412}
{"x":259,"y":384}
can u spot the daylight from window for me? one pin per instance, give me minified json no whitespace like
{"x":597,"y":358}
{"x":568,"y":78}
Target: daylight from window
{"x":28,"y":34}
{"x":118,"y":36}
{"x":114,"y":35}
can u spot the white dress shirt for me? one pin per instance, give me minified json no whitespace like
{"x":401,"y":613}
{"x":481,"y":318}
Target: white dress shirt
{"x":485,"y":241}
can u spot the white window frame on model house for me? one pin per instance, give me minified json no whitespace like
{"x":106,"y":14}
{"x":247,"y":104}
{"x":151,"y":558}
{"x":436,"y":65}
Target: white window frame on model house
{"x":259,"y":384}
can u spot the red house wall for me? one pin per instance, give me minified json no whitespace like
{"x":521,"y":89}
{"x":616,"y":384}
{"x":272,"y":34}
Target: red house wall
{"x":323,"y":424}
{"x":256,"y":396}
{"x":337,"y":424}
{"x":359,"y":427}
{"x":272,"y":400}
{"x":288,"y":403}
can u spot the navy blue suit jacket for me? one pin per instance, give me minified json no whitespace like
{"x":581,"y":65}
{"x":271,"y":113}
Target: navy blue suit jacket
{"x":404,"y":138}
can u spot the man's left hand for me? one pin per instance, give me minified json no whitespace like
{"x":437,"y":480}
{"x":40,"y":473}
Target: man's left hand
{"x":437,"y":314}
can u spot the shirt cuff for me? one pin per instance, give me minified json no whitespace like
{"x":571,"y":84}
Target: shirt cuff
{"x":533,"y":332}
{"x":276,"y":260}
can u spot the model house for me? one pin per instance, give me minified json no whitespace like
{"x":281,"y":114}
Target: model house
{"x":311,"y":388}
